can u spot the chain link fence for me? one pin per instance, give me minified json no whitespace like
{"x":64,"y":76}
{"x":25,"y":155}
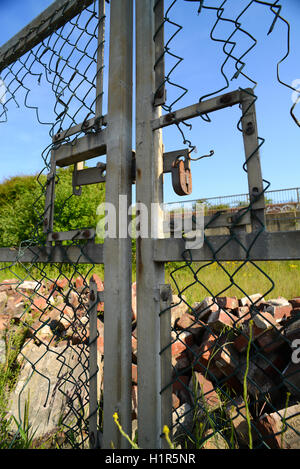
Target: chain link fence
{"x":47,"y":307}
{"x":235,"y":369}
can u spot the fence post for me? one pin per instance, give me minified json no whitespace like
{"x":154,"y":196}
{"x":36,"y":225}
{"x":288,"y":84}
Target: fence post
{"x":149,"y":189}
{"x":93,"y":366}
{"x":166,"y":359}
{"x":117,"y":251}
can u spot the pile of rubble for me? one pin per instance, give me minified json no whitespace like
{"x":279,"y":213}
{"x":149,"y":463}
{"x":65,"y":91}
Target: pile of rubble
{"x":209,"y":357}
{"x":209,"y":351}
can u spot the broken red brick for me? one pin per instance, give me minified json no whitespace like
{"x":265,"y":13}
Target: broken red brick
{"x":205,"y":308}
{"x":39,"y":304}
{"x":175,"y":401}
{"x":256,"y":299}
{"x":202,"y":389}
{"x":182,"y":341}
{"x":180,"y":388}
{"x":220,"y":319}
{"x":181,"y":382}
{"x":270,"y":341}
{"x":227,"y":302}
{"x":134,"y":373}
{"x":98,"y":281}
{"x":243,"y":313}
{"x":190,"y":323}
{"x":181,"y":361}
{"x":207,"y":349}
{"x":267,"y":426}
{"x":79,"y":283}
{"x":62,"y":283}
{"x":227,"y":360}
{"x":280,"y":313}
{"x":133,"y":302}
{"x":295,"y":302}
{"x":134,"y":345}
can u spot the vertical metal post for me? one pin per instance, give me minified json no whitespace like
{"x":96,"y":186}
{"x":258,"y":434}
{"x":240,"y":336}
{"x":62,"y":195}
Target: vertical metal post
{"x":252,"y":153}
{"x":149,"y":189}
{"x":50,"y":197}
{"x":117,"y":251}
{"x":93,"y":367}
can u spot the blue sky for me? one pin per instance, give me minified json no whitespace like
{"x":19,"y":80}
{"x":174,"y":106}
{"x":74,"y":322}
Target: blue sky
{"x":22,"y":140}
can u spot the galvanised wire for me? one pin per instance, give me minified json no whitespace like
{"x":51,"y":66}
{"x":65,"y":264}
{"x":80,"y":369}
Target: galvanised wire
{"x":195,"y":421}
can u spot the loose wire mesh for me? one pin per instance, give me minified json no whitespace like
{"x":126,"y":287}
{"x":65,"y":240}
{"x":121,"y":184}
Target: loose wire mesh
{"x":51,"y":303}
{"x":234,"y":384}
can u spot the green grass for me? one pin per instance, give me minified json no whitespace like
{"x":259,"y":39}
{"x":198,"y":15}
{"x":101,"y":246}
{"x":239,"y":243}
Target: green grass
{"x":226,"y":279}
{"x":271,"y":279}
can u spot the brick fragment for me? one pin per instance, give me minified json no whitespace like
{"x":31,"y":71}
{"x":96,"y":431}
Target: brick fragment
{"x":270,"y":341}
{"x":243,"y":313}
{"x":220,"y":319}
{"x":280,"y":312}
{"x":227,"y":302}
{"x":181,"y":361}
{"x":39,"y":304}
{"x":227,"y":360}
{"x":175,"y":401}
{"x":203,"y":393}
{"x":295,"y":302}
{"x":281,"y":429}
{"x":79,"y":283}
{"x":236,"y":412}
{"x":134,"y":373}
{"x":180,"y":388}
{"x":133,"y":302}
{"x":189,"y":323}
{"x":181,"y":340}
{"x":264,"y":321}
{"x":205,"y":308}
{"x":256,"y":299}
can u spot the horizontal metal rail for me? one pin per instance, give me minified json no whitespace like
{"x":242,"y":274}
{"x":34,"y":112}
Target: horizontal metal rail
{"x":198,"y":109}
{"x":275,"y":246}
{"x":85,"y":148}
{"x":89,"y":253}
{"x":51,"y":19}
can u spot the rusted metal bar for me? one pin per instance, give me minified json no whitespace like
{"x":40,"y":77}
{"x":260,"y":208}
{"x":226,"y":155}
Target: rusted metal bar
{"x":196,"y":110}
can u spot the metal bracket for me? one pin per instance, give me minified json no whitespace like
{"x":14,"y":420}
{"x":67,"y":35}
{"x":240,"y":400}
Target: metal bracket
{"x":84,"y":233}
{"x":87,"y":176}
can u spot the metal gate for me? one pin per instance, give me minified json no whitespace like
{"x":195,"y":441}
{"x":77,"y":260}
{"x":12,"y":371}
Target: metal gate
{"x":82,"y":131}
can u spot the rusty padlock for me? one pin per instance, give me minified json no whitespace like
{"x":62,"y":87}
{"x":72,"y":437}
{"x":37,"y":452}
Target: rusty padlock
{"x":181,"y":176}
